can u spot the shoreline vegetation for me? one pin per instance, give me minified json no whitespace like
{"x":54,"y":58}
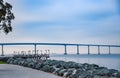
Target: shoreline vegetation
{"x":64,"y":69}
{"x":3,"y":62}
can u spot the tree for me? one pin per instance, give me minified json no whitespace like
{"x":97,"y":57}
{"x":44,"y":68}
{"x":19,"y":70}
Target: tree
{"x":5,"y":17}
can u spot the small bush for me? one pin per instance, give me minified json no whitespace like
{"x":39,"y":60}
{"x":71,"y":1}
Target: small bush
{"x":2,"y":62}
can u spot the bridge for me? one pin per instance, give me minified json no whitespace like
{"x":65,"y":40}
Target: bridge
{"x":61,"y":44}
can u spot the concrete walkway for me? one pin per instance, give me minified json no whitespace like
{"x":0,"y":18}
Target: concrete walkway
{"x":14,"y":71}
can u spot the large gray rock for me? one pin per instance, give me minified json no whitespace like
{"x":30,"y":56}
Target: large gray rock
{"x":68,"y":73}
{"x":114,"y":73}
{"x":25,"y":63}
{"x":18,"y":60}
{"x":53,"y":62}
{"x":29,"y":60}
{"x":15,"y":62}
{"x":78,"y":65}
{"x":102,"y":71}
{"x":87,"y":66}
{"x":77,"y":74}
{"x":92,"y":66}
{"x":10,"y":60}
{"x":60,"y":64}
{"x":85,"y":74}
{"x":71,"y":64}
{"x":61,"y":72}
{"x":38,"y":66}
{"x":58,"y":70}
{"x":31,"y":65}
{"x":48,"y":68}
{"x":22,"y":62}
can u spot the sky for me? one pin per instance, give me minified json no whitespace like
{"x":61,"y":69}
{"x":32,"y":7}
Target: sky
{"x":65,"y":21}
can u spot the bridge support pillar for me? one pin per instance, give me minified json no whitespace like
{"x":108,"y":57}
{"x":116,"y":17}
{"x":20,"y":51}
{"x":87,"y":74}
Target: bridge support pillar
{"x":98,"y":50}
{"x":78,"y":50}
{"x":88,"y":49}
{"x":65,"y":50}
{"x":35,"y":49}
{"x":109,"y":50}
{"x":2,"y":51}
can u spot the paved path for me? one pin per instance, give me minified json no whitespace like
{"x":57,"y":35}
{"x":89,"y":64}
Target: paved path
{"x":14,"y":71}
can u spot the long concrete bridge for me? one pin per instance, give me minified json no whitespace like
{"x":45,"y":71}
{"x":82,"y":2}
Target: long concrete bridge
{"x":61,"y":44}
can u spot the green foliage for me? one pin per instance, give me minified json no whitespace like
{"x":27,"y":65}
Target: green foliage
{"x":2,"y":62}
{"x":5,"y":17}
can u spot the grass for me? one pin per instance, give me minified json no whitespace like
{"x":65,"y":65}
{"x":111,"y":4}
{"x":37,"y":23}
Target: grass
{"x":2,"y":62}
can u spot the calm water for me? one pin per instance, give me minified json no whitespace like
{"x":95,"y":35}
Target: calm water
{"x":110,"y":61}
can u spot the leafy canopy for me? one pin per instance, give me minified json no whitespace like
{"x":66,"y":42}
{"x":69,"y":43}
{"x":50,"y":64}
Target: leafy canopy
{"x":5,"y":17}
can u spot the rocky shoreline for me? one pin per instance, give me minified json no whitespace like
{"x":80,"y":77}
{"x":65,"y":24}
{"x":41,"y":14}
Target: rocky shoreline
{"x":67,"y":69}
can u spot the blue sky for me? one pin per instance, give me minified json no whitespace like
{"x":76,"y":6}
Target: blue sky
{"x":65,"y":21}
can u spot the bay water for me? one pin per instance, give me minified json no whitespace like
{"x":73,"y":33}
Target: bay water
{"x":110,"y":61}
